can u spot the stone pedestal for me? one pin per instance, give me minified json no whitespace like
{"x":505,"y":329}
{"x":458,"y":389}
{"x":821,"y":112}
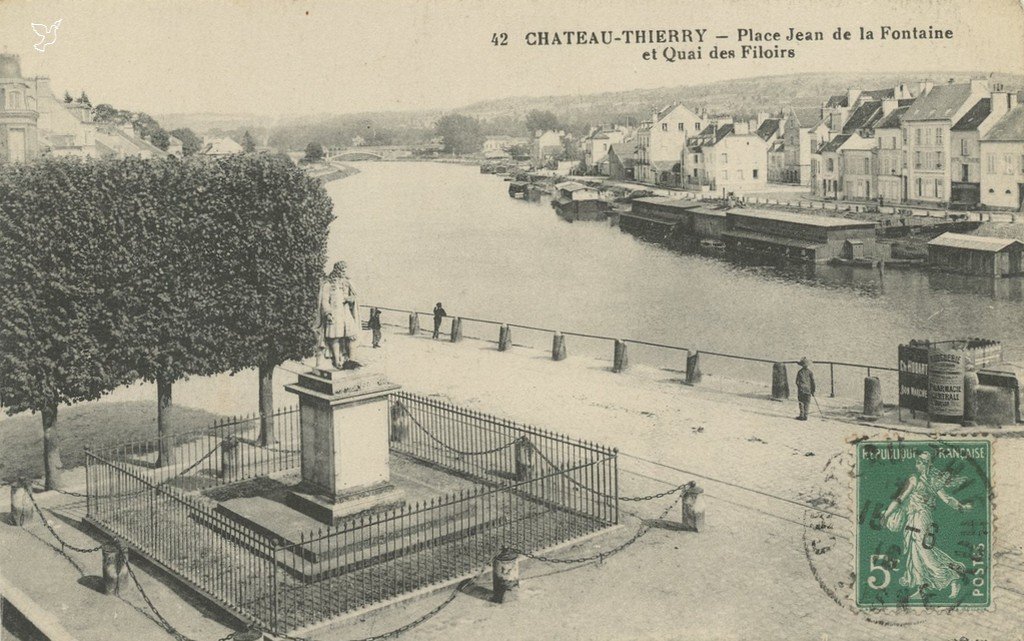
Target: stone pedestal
{"x":344,"y":421}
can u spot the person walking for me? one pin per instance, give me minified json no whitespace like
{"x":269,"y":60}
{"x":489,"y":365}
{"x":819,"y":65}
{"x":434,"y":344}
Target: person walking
{"x":374,"y":325}
{"x":804,"y":387}
{"x":439,"y":313}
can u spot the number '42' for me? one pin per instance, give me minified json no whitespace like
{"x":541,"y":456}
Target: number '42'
{"x":499,"y":39}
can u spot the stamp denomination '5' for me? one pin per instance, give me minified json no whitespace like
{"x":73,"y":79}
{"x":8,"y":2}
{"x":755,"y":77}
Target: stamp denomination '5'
{"x":924,"y":524}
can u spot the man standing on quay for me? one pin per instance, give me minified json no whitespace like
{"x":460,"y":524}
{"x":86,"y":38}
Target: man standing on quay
{"x":439,"y":313}
{"x":804,"y":387}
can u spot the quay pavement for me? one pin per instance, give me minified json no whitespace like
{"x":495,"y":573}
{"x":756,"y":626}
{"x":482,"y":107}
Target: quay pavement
{"x":773,"y":563}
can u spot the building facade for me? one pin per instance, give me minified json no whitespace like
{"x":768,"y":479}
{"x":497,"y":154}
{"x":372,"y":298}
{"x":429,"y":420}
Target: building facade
{"x":661,"y":140}
{"x":19,"y":116}
{"x":1002,"y":162}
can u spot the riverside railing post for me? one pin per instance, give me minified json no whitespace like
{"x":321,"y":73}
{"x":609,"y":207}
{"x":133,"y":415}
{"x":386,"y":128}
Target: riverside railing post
{"x":832,"y":379}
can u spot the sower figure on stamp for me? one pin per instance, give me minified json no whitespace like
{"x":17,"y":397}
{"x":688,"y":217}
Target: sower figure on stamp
{"x":924,"y":565}
{"x":804,"y":387}
{"x":439,"y":313}
{"x":337,"y":317}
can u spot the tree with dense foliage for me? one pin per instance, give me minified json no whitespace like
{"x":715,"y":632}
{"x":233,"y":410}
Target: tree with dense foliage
{"x":461,"y":134}
{"x":84,"y":99}
{"x":314,"y":152}
{"x":62,"y":306}
{"x":537,"y":120}
{"x":67,"y":97}
{"x":248,"y":142}
{"x":115,"y":270}
{"x":190,"y":142}
{"x":106,"y":113}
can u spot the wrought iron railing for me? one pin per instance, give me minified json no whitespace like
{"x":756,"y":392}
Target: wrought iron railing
{"x":534,"y":489}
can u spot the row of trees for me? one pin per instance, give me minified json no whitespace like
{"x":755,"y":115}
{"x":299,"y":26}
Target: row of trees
{"x":118,"y":270}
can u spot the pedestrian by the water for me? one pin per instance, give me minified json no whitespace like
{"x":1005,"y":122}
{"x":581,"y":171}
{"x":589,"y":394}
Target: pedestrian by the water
{"x":439,"y":313}
{"x":804,"y":387}
{"x":374,"y":325}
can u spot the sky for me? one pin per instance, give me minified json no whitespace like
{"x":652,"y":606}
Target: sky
{"x":276,"y":57}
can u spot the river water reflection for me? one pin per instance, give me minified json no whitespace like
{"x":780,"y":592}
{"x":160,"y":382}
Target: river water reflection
{"x":417,"y":233}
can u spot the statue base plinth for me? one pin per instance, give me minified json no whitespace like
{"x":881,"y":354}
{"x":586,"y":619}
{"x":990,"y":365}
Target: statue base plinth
{"x":331,"y":509}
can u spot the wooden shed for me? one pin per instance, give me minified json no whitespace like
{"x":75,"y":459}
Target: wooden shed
{"x":976,"y":255}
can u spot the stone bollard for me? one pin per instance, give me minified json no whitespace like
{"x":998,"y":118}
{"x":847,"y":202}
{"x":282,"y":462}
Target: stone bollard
{"x":780,"y":382}
{"x":524,"y":459}
{"x":21,"y":501}
{"x":619,"y":360}
{"x":872,"y":397}
{"x":693,"y":508}
{"x":115,"y":567}
{"x":505,"y":576}
{"x":970,"y":398}
{"x":230,"y":459}
{"x":504,"y":338}
{"x":456,"y":329}
{"x":558,"y":347}
{"x":693,"y":373}
{"x":414,"y":324}
{"x":399,"y":423}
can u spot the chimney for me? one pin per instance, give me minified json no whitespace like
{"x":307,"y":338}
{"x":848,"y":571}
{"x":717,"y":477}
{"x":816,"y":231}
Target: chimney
{"x":889,"y":105}
{"x":1000,"y":105}
{"x":851,"y":97}
{"x":901,"y":91}
{"x":925,"y":87}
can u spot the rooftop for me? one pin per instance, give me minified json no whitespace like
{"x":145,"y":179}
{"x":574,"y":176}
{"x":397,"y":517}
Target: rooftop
{"x":894,"y":120}
{"x":835,"y":143}
{"x":974,"y":116}
{"x":976,"y":243}
{"x":806,"y":117}
{"x":941,"y":103}
{"x":863,"y":116}
{"x":1010,"y":127}
{"x":768,"y":128}
{"x":802,"y":219}
{"x":675,"y":203}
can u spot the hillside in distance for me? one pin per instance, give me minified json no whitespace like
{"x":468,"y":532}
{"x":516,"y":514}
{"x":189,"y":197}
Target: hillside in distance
{"x":745,"y":96}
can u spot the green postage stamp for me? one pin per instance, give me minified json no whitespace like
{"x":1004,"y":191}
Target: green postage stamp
{"x":924,"y":524}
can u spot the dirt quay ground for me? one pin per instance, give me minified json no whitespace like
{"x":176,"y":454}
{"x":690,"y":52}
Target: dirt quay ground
{"x":759,"y":571}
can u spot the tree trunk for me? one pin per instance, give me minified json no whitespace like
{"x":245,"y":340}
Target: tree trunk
{"x":165,"y":451}
{"x":51,"y":449}
{"x":267,"y":436}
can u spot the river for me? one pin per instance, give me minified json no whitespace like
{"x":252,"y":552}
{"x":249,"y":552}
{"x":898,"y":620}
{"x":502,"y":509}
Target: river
{"x":414,"y":234}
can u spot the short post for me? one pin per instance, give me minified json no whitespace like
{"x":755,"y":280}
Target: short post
{"x":872,"y":397}
{"x":230,"y":458}
{"x":504,"y":338}
{"x":693,"y":508}
{"x":832,"y":379}
{"x":115,"y":567}
{"x":970,"y":398}
{"x":524,"y":459}
{"x":21,"y":501}
{"x":414,"y":324}
{"x":505,"y":576}
{"x":456,"y":329}
{"x":558,"y":347}
{"x":619,"y":360}
{"x":398,"y":423}
{"x":780,"y":382}
{"x":693,"y":373}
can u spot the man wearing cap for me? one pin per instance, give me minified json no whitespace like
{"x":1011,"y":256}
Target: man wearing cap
{"x":804,"y":387}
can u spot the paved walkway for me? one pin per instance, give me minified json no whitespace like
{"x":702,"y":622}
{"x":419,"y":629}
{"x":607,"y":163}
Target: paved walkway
{"x":761,"y":570}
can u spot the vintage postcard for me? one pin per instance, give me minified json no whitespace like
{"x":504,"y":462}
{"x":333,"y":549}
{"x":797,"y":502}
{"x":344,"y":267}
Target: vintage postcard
{"x":435,"y":320}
